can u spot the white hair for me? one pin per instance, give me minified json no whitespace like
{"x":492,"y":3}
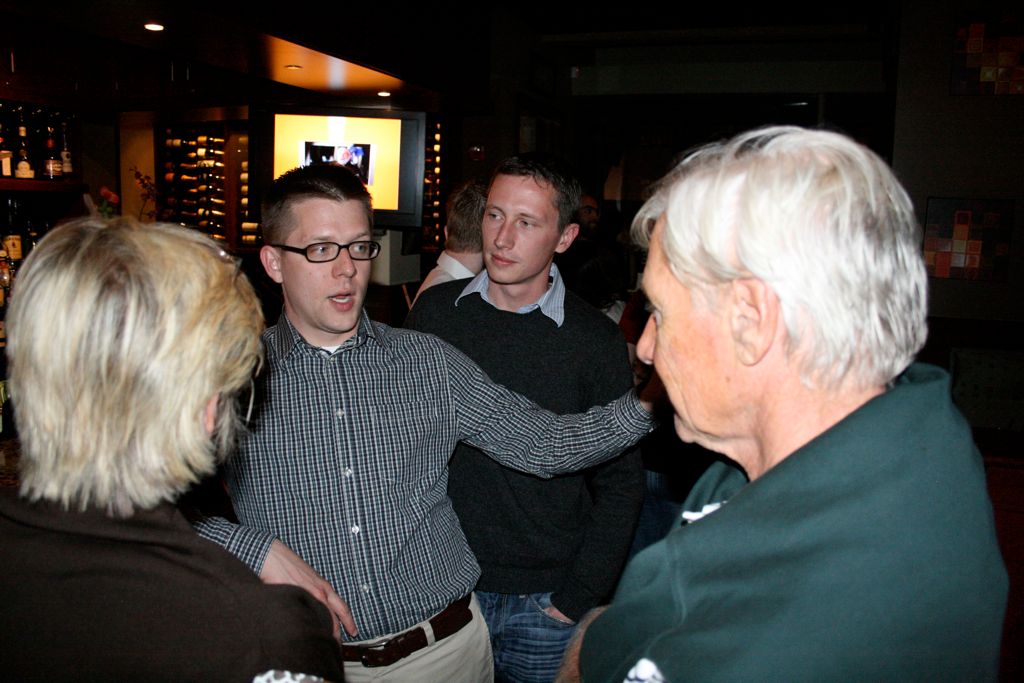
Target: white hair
{"x":823,"y":221}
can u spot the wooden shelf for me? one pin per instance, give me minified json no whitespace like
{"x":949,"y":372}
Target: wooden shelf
{"x":22,"y":185}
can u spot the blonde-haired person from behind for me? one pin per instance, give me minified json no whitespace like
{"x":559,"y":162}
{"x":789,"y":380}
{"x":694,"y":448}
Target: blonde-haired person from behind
{"x":129,"y":346}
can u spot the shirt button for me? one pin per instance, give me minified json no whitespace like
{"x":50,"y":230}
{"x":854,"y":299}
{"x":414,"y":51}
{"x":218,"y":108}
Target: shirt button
{"x":340,"y":413}
{"x":347,"y":472}
{"x":365,"y":587}
{"x":355,"y":529}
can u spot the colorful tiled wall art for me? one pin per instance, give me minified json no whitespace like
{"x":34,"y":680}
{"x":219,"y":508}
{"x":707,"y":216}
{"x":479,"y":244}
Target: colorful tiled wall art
{"x":968,"y":239}
{"x":988,"y":57}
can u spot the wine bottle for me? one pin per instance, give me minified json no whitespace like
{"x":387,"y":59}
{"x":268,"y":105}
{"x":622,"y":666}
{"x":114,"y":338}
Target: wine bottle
{"x":53,"y":168}
{"x":24,"y":167}
{"x":171,"y":177}
{"x":12,"y":235}
{"x":65,"y":151}
{"x":6,"y":155}
{"x":5,"y":279}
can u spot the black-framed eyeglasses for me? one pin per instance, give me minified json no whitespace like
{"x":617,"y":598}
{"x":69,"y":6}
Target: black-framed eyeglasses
{"x":322,"y":252}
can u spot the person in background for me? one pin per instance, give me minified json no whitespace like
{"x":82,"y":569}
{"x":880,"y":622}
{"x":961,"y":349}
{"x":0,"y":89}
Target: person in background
{"x":589,"y":216}
{"x":549,"y":549}
{"x":462,"y":255}
{"x":593,"y":267}
{"x":851,"y":536}
{"x":341,"y":484}
{"x":128,"y":345}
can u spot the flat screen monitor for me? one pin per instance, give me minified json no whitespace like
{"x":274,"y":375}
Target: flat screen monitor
{"x":384,"y":148}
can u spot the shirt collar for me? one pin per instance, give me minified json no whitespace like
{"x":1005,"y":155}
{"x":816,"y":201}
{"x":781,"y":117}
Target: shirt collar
{"x":551,"y":303}
{"x":289,"y":338}
{"x":452,"y":265}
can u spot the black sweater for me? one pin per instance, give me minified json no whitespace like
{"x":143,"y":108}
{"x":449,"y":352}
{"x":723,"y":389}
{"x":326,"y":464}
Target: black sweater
{"x":569,"y":535}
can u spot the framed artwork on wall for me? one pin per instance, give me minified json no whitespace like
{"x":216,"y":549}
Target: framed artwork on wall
{"x":988,"y":57}
{"x":968,"y":239}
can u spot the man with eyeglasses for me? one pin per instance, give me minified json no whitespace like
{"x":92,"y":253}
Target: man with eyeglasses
{"x":340,"y":486}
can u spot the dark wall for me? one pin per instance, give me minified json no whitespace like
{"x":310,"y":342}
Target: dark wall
{"x":966,"y":146}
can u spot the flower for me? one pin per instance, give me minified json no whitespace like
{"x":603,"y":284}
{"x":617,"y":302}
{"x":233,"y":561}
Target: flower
{"x":108,"y":200}
{"x":147,"y":190}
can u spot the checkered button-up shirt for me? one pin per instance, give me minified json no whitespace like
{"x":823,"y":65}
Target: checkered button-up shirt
{"x":347,"y":464}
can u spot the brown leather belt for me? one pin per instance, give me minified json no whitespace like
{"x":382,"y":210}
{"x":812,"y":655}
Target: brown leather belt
{"x":446,"y":623}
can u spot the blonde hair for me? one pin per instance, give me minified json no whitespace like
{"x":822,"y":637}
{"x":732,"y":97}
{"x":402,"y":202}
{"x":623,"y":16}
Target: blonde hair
{"x":119,"y":335}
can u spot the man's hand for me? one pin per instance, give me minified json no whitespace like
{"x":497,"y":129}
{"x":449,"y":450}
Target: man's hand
{"x":284,"y":566}
{"x":569,"y":672}
{"x":652,"y":392}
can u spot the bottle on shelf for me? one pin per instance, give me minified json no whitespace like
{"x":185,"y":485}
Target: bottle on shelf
{"x":53,"y":167}
{"x":4,"y":291}
{"x":12,"y":234}
{"x":7,"y":274}
{"x":6,"y":155}
{"x":5,"y":282}
{"x":65,"y":152}
{"x":171,"y":177}
{"x":32,"y":235}
{"x":24,"y":168}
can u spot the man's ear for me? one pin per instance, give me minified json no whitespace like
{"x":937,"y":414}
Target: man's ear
{"x":754,"y":314}
{"x":271,"y":260}
{"x":568,"y":235}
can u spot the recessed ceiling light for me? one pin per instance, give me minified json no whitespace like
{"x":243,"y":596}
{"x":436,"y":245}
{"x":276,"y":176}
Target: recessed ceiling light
{"x":153,"y":26}
{"x":383,"y":93}
{"x":293,"y":67}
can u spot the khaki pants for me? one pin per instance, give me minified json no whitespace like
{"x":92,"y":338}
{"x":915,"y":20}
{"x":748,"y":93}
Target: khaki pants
{"x":464,"y":657}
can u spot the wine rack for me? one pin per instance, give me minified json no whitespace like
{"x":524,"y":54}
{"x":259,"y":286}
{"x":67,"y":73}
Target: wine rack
{"x":202,"y":182}
{"x":433,"y":205}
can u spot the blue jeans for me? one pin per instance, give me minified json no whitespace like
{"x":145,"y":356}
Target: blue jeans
{"x":660,"y":514}
{"x":527,"y":643}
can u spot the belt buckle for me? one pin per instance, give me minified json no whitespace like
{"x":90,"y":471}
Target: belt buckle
{"x":376,"y":649}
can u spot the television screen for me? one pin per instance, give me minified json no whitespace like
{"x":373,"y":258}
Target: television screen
{"x":372,"y":147}
{"x":384,"y":148}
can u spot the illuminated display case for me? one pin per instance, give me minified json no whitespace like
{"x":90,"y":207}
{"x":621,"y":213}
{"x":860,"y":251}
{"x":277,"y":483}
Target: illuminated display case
{"x":203,"y":180}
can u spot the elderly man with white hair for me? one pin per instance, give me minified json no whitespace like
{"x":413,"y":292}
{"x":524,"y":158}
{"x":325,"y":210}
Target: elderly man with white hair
{"x":849,"y":536}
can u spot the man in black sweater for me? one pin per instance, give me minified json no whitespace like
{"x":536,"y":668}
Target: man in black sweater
{"x":549,"y":550}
